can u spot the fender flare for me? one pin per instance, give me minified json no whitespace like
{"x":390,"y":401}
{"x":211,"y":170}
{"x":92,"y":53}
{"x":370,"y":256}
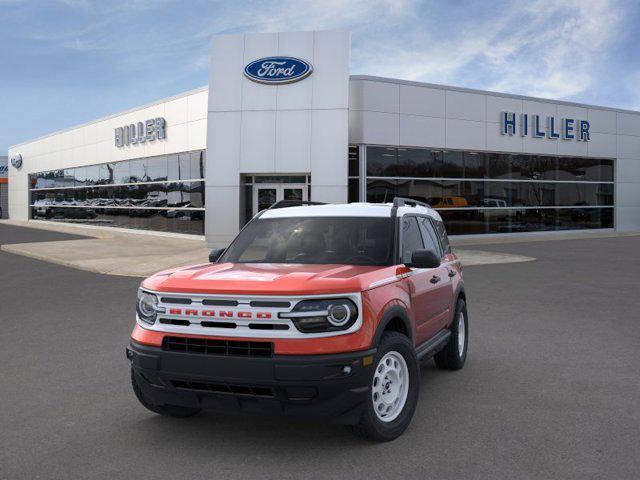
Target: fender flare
{"x":395,"y":311}
{"x":460,"y":292}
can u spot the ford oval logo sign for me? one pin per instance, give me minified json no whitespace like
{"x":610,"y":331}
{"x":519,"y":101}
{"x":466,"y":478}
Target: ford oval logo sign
{"x":278,"y":70}
{"x":16,"y":160}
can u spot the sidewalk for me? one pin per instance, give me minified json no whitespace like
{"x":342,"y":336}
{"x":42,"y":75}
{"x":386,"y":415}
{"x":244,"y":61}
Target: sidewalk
{"x":135,"y":253}
{"x":111,"y":250}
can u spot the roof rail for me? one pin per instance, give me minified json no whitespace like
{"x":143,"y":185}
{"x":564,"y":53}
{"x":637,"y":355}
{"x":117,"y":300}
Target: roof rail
{"x":403,"y":201}
{"x":293,"y":203}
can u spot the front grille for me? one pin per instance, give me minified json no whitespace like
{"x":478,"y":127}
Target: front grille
{"x":224,"y":388}
{"x":206,"y":346}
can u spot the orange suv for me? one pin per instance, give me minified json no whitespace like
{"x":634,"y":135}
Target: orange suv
{"x":321,"y":311}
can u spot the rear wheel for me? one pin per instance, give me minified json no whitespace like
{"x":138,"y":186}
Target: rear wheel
{"x":393,"y":390}
{"x":453,"y":356}
{"x":167,"y":410}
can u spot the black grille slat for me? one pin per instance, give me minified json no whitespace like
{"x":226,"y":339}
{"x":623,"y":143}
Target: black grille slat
{"x":206,"y":346}
{"x":268,"y":326}
{"x":269,"y":304}
{"x":253,"y":391}
{"x":177,"y":301}
{"x":220,"y":303}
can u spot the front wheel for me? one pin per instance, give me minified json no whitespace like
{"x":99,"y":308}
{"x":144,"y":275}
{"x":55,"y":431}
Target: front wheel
{"x":453,"y":356}
{"x":393,"y":390}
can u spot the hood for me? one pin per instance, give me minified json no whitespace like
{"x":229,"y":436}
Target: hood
{"x":266,"y":279}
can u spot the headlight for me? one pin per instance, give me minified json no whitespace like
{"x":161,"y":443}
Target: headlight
{"x":314,"y":316}
{"x":147,"y":306}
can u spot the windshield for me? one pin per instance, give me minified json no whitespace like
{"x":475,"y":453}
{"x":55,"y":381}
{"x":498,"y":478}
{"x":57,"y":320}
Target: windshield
{"x":319,"y":240}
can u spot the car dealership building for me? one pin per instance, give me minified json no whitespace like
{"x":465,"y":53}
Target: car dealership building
{"x":282,"y":119}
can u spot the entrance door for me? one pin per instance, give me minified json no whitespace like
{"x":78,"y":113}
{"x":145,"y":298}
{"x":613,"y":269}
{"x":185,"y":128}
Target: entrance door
{"x":266,"y":194}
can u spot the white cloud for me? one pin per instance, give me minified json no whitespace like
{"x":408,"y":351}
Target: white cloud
{"x":557,"y":49}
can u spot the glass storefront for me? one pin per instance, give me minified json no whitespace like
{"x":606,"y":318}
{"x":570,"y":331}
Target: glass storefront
{"x":164,"y":193}
{"x":477,"y":192}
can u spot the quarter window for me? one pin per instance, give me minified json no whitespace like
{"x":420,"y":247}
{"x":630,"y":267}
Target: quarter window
{"x":429,"y":235}
{"x":442,"y":233}
{"x":411,"y":238}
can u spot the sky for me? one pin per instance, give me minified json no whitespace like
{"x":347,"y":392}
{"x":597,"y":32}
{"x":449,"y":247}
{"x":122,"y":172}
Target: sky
{"x":66,"y":62}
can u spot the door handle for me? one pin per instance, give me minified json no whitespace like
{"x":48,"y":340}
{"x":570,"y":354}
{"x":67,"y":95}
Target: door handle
{"x":452,"y":273}
{"x":435,"y":279}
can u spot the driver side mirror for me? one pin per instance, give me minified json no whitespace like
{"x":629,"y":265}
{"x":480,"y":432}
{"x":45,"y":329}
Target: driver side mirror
{"x":215,"y":254}
{"x":424,"y":259}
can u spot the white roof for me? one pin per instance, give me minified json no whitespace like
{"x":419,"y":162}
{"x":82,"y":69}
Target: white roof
{"x":347,"y":210}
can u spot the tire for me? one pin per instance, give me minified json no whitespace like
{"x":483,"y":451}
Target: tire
{"x":454,"y":354}
{"x":166,"y":410}
{"x":399,"y":350}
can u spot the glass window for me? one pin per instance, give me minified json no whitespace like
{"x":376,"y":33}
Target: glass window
{"x":442,"y":233}
{"x":197,"y":165}
{"x":184,"y":166}
{"x":452,"y":164}
{"x":80,"y":176}
{"x":411,"y":238}
{"x":429,"y":236}
{"x":173,"y":167}
{"x":354,"y":161}
{"x":422,"y":190}
{"x":120,"y":172}
{"x":474,"y":165}
{"x":196,"y":194}
{"x":340,"y":240}
{"x":58,"y":178}
{"x":354,"y":190}
{"x":418,"y":162}
{"x":606,"y":170}
{"x":138,"y":171}
{"x":382,"y":161}
{"x":498,"y":165}
{"x":585,"y":169}
{"x":246,"y":201}
{"x":281,"y":179}
{"x":105,"y":174}
{"x":92,"y":175}
{"x":381,"y":191}
{"x":157,"y":169}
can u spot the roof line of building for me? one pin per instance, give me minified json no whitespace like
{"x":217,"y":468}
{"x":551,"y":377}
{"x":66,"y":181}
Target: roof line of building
{"x":109,"y":117}
{"x":484,"y":92}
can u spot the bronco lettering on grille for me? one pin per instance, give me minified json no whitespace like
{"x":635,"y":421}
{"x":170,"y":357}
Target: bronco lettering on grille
{"x":192,"y":312}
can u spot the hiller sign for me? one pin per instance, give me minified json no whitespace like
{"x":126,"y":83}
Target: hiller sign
{"x":551,"y":128}
{"x":147,"y":131}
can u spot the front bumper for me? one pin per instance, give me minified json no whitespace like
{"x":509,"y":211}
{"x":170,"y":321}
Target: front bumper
{"x":332,"y":387}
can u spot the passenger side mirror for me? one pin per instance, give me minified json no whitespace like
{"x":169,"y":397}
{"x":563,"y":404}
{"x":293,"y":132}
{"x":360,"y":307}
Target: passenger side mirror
{"x":424,"y":259}
{"x":215,"y":254}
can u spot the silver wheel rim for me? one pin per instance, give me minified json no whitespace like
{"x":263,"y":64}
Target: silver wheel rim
{"x":462,"y":333}
{"x":390,"y":386}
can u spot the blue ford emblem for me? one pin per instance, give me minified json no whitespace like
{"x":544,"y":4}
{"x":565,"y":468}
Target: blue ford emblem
{"x":278,"y":70}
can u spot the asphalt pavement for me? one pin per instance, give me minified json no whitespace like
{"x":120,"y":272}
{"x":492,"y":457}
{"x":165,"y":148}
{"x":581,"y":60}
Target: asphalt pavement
{"x":551,"y":389}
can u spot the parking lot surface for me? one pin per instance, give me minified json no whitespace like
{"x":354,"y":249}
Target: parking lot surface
{"x":550,"y":389}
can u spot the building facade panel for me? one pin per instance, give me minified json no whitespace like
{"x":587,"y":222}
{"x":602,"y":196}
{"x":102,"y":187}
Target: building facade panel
{"x":466,"y":106}
{"x":430,"y":102}
{"x":420,"y":131}
{"x":602,"y":121}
